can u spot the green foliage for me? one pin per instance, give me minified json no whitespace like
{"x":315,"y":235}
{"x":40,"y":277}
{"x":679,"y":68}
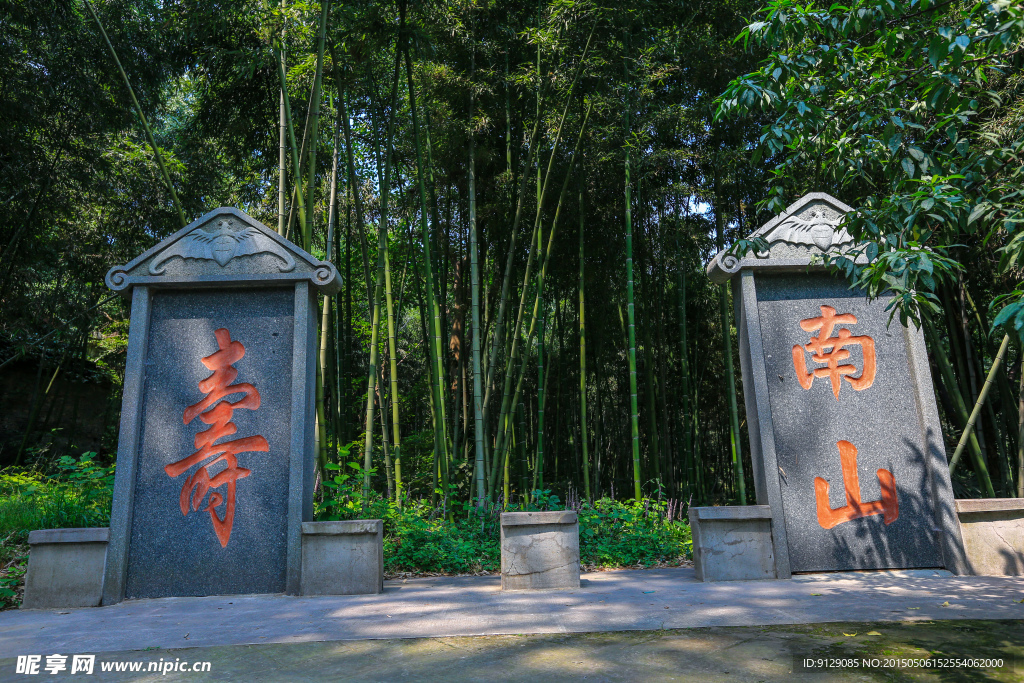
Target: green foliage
{"x":617,"y":534}
{"x":78,"y":495}
{"x":908,"y":108}
{"x":343,"y":494}
{"x":420,"y":539}
{"x":417,"y":540}
{"x":12,"y":575}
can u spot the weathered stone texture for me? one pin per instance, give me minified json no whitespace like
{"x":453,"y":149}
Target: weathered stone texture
{"x":65,"y":568}
{"x":176,"y":554}
{"x":732,"y":543}
{"x":343,"y":558}
{"x":993,"y":532}
{"x":882,"y":422}
{"x":540,"y":550}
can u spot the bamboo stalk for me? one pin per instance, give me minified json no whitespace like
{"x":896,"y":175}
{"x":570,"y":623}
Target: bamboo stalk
{"x":634,"y":416}
{"x":502,"y":440}
{"x":321,"y":423}
{"x":282,"y":165}
{"x":142,"y":118}
{"x":307,"y":232}
{"x":734,"y":421}
{"x":583,"y":356}
{"x":977,"y":409}
{"x":299,"y":200}
{"x":946,"y":370}
{"x":478,"y":416}
{"x":375,"y":323}
{"x":437,"y":374}
{"x":393,"y":370}
{"x":506,"y":405}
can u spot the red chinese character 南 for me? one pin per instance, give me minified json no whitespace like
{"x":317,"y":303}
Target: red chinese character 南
{"x":835,"y":353}
{"x":217,"y":413}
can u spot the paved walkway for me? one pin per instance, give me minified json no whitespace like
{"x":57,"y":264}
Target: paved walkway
{"x":467,"y":606}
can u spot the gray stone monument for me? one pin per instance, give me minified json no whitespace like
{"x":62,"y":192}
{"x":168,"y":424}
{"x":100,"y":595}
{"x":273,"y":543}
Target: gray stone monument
{"x":845,"y":437}
{"x":215,"y":457}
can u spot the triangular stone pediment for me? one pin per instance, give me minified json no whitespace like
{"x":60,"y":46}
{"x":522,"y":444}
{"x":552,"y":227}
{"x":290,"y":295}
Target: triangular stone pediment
{"x":225,"y":246}
{"x":807,"y":229}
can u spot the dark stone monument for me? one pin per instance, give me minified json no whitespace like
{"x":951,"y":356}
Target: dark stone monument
{"x":845,"y":437}
{"x":215,"y":456}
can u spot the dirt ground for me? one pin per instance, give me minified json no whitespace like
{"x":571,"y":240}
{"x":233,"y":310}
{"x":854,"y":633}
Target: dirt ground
{"x":772,"y":653}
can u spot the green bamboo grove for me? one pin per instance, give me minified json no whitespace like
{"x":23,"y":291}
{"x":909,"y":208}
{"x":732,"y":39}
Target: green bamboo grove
{"x":520,"y":198}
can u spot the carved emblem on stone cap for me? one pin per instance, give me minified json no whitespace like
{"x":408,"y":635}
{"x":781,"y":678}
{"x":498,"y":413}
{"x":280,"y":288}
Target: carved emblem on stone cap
{"x":221,"y":244}
{"x":809,"y":227}
{"x":817,"y":229}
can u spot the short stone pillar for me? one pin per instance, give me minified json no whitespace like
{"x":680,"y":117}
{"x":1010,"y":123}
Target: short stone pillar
{"x":993,"y":531}
{"x":343,"y":558}
{"x":540,"y":550}
{"x":732,"y":543}
{"x":65,"y":568}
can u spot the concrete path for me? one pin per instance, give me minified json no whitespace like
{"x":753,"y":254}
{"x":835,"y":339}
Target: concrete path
{"x":467,"y":606}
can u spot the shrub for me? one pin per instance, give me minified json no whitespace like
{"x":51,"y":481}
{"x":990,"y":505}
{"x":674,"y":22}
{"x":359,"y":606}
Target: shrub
{"x":78,"y":495}
{"x":631,"y":533}
{"x":419,"y":538}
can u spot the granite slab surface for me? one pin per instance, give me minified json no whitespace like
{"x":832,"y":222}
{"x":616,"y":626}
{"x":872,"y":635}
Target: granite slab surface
{"x":463,"y":606}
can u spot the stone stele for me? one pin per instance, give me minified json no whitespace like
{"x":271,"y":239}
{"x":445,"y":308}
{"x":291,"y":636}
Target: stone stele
{"x":844,"y":433}
{"x":216,"y":446}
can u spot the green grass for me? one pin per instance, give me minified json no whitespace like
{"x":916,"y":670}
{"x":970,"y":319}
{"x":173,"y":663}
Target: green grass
{"x":78,"y":495}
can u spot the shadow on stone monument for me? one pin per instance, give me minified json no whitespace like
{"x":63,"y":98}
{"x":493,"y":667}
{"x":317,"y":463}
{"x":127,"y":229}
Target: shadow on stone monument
{"x":846,"y":443}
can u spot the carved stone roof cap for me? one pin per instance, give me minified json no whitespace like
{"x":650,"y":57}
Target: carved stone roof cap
{"x":225,"y":247}
{"x":808,"y":228}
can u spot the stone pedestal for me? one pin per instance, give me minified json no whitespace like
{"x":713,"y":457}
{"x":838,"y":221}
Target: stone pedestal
{"x":993,"y":532}
{"x":343,"y":558}
{"x":540,"y":550}
{"x":732,"y":543}
{"x":65,"y":568}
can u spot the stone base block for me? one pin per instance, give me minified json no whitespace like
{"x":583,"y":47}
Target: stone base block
{"x":65,"y":568}
{"x":343,"y":558}
{"x":540,"y":550}
{"x":993,"y":532}
{"x":732,"y":543}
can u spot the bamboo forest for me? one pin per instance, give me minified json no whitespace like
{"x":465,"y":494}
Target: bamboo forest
{"x":521,"y":201}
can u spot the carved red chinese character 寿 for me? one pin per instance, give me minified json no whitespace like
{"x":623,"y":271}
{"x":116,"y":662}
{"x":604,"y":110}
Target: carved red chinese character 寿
{"x":217,"y":413}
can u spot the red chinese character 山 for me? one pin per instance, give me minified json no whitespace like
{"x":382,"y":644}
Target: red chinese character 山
{"x":888,"y":505}
{"x":217,"y":413}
